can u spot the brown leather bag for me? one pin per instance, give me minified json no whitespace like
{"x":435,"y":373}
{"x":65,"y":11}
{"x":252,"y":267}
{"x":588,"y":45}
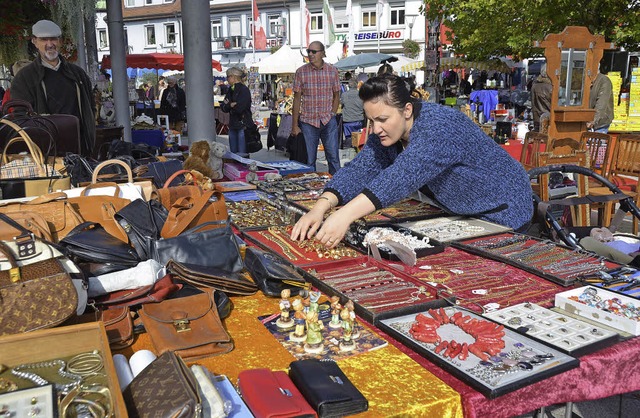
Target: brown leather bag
{"x":190,"y":211}
{"x":54,"y":207}
{"x":169,"y":195}
{"x":190,"y":326}
{"x":32,"y":221}
{"x":117,"y":322}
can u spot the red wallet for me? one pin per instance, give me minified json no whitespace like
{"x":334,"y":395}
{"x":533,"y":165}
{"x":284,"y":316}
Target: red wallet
{"x":272,"y":394}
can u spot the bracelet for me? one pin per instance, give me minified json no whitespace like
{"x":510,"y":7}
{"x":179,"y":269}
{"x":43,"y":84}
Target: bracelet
{"x":327,"y":199}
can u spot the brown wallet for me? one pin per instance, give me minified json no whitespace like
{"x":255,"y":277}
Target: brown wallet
{"x":189,"y":326}
{"x":211,"y":277}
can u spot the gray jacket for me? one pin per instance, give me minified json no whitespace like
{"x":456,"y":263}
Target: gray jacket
{"x":601,"y":99}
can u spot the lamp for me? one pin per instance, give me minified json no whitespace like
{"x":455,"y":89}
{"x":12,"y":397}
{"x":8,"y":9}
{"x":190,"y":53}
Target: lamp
{"x":410,"y":23}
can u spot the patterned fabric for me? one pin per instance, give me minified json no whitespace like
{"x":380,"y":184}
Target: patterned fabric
{"x":317,"y":86}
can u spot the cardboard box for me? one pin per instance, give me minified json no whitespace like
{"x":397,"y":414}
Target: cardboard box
{"x":621,"y":322}
{"x":237,"y":171}
{"x":64,"y":342}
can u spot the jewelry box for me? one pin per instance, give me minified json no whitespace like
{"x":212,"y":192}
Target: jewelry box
{"x":38,"y":401}
{"x":492,"y":359}
{"x":257,"y":214}
{"x":454,"y":228}
{"x":411,"y":209}
{"x":565,"y":333}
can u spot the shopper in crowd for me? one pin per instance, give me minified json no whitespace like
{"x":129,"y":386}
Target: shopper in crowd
{"x":174,"y":105}
{"x":53,"y":85}
{"x":352,"y":111}
{"x":316,"y":97}
{"x":162,"y":85}
{"x":13,"y":70}
{"x":601,"y":99}
{"x":237,"y":103}
{"x":385,"y":68}
{"x":541,"y":90}
{"x":465,"y":85}
{"x":418,"y":146}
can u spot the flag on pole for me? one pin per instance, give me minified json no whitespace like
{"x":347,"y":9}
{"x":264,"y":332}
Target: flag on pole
{"x":327,"y":12}
{"x":259,"y":37}
{"x":307,"y":30}
{"x":351,"y":35}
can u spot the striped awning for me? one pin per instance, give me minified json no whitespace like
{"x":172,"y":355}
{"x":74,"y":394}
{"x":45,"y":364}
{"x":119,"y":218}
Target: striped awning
{"x":412,"y":66}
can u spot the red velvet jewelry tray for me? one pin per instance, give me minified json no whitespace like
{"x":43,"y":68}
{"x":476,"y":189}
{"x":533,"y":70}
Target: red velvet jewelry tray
{"x":517,"y":361}
{"x":379,"y":289}
{"x":566,"y":280}
{"x":371,"y":219}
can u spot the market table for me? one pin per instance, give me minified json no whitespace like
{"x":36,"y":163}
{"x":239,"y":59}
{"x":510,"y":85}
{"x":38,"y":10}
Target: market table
{"x":514,"y":148}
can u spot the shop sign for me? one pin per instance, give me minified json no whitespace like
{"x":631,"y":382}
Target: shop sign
{"x":372,"y":36}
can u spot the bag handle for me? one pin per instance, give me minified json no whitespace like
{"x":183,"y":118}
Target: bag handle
{"x":46,"y":198}
{"x":183,"y":211}
{"x":36,"y":152}
{"x":30,"y":144}
{"x":173,"y":177}
{"x":100,"y":185}
{"x":94,"y":177}
{"x":12,"y":103}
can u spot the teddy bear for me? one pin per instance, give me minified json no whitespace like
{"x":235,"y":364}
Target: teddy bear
{"x":215,"y":160}
{"x":199,"y":159}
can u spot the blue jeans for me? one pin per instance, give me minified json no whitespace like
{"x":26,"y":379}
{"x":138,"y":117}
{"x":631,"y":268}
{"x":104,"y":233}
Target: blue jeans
{"x":329,"y":135}
{"x":603,"y":129}
{"x":236,"y":141}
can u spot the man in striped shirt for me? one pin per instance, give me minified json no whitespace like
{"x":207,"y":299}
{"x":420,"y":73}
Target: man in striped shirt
{"x":316,"y":96}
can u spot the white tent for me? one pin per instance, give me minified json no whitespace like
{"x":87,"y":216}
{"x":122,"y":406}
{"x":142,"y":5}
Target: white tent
{"x":333,"y":54}
{"x":284,"y":61}
{"x":397,"y":65}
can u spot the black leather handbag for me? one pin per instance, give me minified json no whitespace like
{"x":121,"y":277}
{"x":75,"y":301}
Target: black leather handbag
{"x":142,"y":221}
{"x":272,"y":274}
{"x":90,"y":242}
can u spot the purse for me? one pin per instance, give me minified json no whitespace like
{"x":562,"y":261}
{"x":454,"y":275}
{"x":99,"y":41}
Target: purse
{"x":117,"y":321}
{"x":272,"y":394}
{"x":126,"y":189}
{"x":90,"y":242}
{"x":142,"y":221}
{"x":166,"y":388}
{"x":60,"y":216}
{"x":35,"y":295}
{"x":272,"y":274}
{"x":327,"y":389}
{"x":202,"y":247}
{"x":189,"y":211}
{"x":32,"y":221}
{"x":203,"y":276}
{"x":168,"y":194}
{"x":190,"y":326}
{"x":156,"y":292}
{"x":161,"y":171}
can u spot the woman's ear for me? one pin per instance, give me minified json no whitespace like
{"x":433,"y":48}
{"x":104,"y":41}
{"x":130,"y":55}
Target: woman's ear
{"x":408,"y":110}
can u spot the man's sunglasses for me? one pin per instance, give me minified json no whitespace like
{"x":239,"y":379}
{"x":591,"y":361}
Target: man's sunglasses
{"x":313,"y":51}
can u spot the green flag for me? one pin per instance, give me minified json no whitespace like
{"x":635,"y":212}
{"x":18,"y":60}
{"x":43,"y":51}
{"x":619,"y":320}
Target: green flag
{"x":332,"y":31}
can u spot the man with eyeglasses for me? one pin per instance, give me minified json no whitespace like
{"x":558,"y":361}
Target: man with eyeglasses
{"x":54,"y":86}
{"x":316,"y":96}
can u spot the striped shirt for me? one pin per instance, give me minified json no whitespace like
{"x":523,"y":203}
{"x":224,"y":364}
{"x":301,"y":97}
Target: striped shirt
{"x":317,"y":86}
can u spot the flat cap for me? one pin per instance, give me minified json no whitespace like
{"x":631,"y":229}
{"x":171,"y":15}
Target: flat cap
{"x":46,"y":29}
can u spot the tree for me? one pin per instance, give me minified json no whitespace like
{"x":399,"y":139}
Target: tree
{"x":482,"y":29}
{"x":410,"y":48}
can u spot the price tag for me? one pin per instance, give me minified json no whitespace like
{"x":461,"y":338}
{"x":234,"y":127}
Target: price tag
{"x":479,"y":291}
{"x":490,"y":307}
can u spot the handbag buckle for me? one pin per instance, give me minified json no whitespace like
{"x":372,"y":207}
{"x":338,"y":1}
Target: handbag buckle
{"x":26,"y":245}
{"x":181,"y":325}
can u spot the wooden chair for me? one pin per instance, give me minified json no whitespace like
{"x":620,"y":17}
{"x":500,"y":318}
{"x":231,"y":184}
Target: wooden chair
{"x":597,"y":145}
{"x":564,"y":146}
{"x":534,"y":144}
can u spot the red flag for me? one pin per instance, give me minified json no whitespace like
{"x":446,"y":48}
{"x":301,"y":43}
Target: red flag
{"x":259,"y":37}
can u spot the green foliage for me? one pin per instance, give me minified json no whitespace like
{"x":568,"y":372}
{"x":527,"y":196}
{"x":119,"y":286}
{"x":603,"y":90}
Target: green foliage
{"x":274,"y":49}
{"x":15,"y":27}
{"x":490,"y":28}
{"x":410,"y":48}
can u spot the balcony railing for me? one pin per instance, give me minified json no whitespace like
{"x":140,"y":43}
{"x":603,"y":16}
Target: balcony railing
{"x":231,"y":42}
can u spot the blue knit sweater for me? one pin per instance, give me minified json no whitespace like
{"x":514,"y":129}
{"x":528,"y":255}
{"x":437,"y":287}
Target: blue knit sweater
{"x":449,"y":156}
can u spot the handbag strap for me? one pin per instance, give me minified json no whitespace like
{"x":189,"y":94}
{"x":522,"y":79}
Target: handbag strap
{"x":173,"y":177}
{"x":100,"y":185}
{"x":46,"y":198}
{"x":15,"y":103}
{"x":173,"y":320}
{"x":37,"y":157}
{"x":94,"y":177}
{"x":183,"y":212}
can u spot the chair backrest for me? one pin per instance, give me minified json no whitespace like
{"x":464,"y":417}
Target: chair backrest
{"x":563,"y":146}
{"x":534,"y":144}
{"x":597,"y":146}
{"x":626,"y":157}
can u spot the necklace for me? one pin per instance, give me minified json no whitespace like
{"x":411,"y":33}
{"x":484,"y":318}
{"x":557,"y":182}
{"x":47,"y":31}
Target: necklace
{"x":22,"y":372}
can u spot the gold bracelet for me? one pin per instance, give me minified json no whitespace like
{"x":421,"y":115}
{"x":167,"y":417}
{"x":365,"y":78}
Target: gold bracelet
{"x":328,"y":200}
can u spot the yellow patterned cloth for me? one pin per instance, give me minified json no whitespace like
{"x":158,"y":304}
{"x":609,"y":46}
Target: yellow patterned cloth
{"x":394,"y":384}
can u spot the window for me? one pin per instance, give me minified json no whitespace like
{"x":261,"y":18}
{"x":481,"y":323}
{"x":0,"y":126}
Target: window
{"x":249,"y":27}
{"x":150,"y":35}
{"x":235,"y":32}
{"x":170,"y":33}
{"x":275,"y":25}
{"x":316,"y":22}
{"x":148,"y":2}
{"x":396,"y":17}
{"x":102,"y":38}
{"x":216,"y":29}
{"x":369,"y":19}
{"x":341,"y":20}
{"x":129,"y":3}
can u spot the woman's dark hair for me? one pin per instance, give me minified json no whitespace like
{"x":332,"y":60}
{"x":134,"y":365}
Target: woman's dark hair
{"x":392,"y":89}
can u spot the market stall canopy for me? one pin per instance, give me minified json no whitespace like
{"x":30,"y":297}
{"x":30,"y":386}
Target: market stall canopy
{"x":450,"y":62}
{"x":402,"y":64}
{"x":334,"y":53}
{"x":284,"y":61}
{"x":364,"y":60}
{"x":155,"y":60}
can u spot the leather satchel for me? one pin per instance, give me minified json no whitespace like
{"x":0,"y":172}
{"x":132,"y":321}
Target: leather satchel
{"x":189,"y":326}
{"x":327,"y":389}
{"x":202,"y":247}
{"x":211,"y":277}
{"x":36,"y":295}
{"x":90,"y":242}
{"x":272,"y":394}
{"x":272,"y":273}
{"x":117,"y":321}
{"x":142,"y":221}
{"x":168,"y":194}
{"x":166,"y":388}
{"x":31,"y":221}
{"x":190,"y":211}
{"x":154,"y":293}
{"x":54,"y":207}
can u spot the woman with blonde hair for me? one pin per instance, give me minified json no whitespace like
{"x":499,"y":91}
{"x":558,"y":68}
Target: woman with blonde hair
{"x":237,"y":103}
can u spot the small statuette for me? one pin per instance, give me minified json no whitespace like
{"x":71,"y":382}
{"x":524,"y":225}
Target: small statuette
{"x":285,"y":320}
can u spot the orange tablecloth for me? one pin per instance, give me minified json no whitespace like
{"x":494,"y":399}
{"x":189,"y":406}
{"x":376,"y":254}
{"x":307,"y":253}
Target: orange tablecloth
{"x":514,"y":148}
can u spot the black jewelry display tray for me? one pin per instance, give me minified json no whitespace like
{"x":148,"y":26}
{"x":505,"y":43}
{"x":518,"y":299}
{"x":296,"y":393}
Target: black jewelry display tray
{"x":490,"y":228}
{"x":354,"y":238}
{"x":367,"y":314}
{"x":559,"y":363}
{"x":465,"y":245}
{"x":434,"y":212}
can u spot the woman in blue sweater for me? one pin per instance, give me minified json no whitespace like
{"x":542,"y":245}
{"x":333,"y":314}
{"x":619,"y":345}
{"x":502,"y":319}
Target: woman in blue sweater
{"x":420,"y":146}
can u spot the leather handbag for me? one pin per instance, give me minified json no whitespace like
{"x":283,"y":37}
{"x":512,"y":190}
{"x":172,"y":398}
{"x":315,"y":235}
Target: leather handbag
{"x":90,"y":242}
{"x":166,"y":388}
{"x":117,"y":321}
{"x":154,"y":293}
{"x":327,"y":389}
{"x":101,"y":208}
{"x":32,"y":221}
{"x":189,"y":326}
{"x":202,"y":247}
{"x":35,"y":295}
{"x":142,"y":221}
{"x":211,"y":277}
{"x":128,"y":187}
{"x":272,"y":394}
{"x":272,"y":274}
{"x":161,"y":171}
{"x":54,"y":207}
{"x":168,"y":194}
{"x":190,"y":211}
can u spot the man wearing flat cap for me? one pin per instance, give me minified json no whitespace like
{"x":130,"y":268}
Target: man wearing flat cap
{"x":54,"y":86}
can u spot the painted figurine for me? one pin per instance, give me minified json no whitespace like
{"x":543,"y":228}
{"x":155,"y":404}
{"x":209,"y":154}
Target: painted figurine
{"x":356,"y":331}
{"x":314,"y":296}
{"x":299,"y":320}
{"x":336,"y":307}
{"x":314,"y":333}
{"x":347,"y":343}
{"x":285,"y":320}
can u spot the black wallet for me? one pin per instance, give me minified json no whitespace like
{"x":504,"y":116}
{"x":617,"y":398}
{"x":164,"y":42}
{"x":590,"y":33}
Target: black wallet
{"x":272,"y":274}
{"x":327,"y":388}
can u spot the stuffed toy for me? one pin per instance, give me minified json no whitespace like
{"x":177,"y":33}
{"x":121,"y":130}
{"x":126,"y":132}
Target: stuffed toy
{"x":198,"y":159}
{"x":215,"y":161}
{"x":252,"y":175}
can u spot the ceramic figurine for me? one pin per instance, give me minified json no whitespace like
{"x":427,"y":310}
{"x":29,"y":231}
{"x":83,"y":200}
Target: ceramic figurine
{"x":285,"y":320}
{"x":356,"y":331}
{"x":314,"y":333}
{"x":347,"y":343}
{"x":299,"y":320}
{"x":336,"y":307}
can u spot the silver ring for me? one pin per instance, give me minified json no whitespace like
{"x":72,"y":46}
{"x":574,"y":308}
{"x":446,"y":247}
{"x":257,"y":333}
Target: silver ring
{"x":329,"y":242}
